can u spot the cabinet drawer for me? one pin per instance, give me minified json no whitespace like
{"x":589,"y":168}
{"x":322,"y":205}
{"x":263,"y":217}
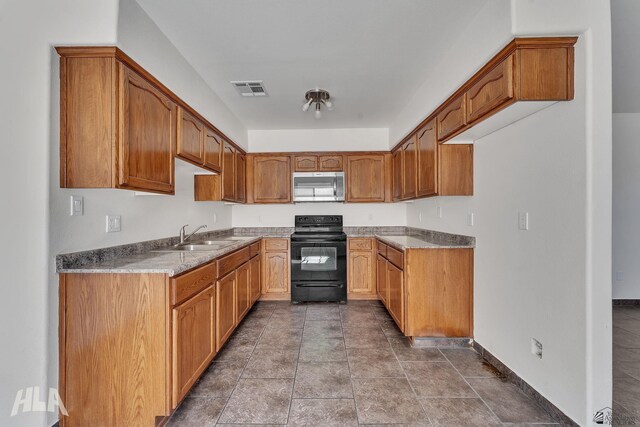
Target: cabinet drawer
{"x":395,"y":257}
{"x":452,"y":118}
{"x":254,"y":249}
{"x":188,"y":284}
{"x":382,"y":248}
{"x":330,"y":164}
{"x":231,"y":262}
{"x":360,"y":244}
{"x":276,"y":244}
{"x":491,"y":91}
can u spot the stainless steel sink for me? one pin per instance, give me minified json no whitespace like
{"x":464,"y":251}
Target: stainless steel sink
{"x":204,"y":246}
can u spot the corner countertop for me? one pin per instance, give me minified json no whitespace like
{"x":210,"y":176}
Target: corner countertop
{"x":407,"y":241}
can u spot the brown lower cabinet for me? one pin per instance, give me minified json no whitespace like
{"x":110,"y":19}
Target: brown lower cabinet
{"x":193,"y":340}
{"x":428,"y":292}
{"x":276,"y":280}
{"x":361,"y":269}
{"x":132,"y":345}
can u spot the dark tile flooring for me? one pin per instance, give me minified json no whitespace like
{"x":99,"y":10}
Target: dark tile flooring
{"x":343,"y":365}
{"x":626,"y":362}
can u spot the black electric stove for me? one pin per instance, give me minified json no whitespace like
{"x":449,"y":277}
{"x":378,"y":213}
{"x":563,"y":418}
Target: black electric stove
{"x":318,"y":259}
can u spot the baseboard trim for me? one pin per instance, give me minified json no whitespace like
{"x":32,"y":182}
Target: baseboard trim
{"x":441,"y":342}
{"x":626,"y":302}
{"x":514,"y":378}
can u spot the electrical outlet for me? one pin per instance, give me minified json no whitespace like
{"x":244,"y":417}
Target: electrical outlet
{"x":536,"y":348}
{"x":113,"y":223}
{"x":420,"y":217}
{"x":619,"y":276}
{"x":370,"y":217}
{"x":439,"y":211}
{"x":470,"y":219}
{"x":523,"y":220}
{"x":77,"y":206}
{"x":215,"y":218}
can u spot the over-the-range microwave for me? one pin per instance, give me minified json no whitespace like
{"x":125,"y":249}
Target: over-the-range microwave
{"x":318,"y":187}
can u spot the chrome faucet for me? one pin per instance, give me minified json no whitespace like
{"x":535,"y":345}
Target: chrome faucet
{"x":184,"y":238}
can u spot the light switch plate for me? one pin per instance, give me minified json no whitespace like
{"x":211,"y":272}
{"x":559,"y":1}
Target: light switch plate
{"x":523,"y":220}
{"x":113,"y":223}
{"x":471,"y":218}
{"x":439,"y":211}
{"x":77,"y":206}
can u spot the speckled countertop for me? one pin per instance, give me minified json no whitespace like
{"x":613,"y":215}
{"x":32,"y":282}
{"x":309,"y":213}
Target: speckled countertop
{"x":406,"y":241}
{"x":152,"y":256}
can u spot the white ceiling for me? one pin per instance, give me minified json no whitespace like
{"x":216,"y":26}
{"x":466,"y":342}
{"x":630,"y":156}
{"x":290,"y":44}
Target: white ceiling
{"x":369,"y":54}
{"x":625,"y":35}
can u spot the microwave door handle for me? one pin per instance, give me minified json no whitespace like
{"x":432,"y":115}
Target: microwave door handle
{"x":335,"y":188}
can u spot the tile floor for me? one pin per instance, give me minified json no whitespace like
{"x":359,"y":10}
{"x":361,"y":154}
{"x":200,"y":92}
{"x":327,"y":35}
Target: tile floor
{"x":346,"y":365}
{"x":626,"y":362}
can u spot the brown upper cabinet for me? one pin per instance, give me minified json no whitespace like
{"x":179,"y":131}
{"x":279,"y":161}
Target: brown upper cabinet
{"x":527,"y":69}
{"x":212,"y":150}
{"x":121,"y":128}
{"x":97,"y":94}
{"x":241,"y":166}
{"x":427,"y":160}
{"x":409,"y":167}
{"x":190,"y":141}
{"x":330,"y":163}
{"x":491,"y":91}
{"x":366,"y":178}
{"x":397,"y":175}
{"x":318,"y":163}
{"x":228,"y":172}
{"x":305,"y":163}
{"x":452,"y":118}
{"x":270,"y":178}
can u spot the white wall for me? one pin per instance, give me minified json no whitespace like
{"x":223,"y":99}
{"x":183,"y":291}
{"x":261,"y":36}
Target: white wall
{"x":28,"y":30}
{"x":319,"y":140}
{"x":553,"y":281}
{"x":143,"y":217}
{"x":365,"y":214}
{"x":626,"y":205}
{"x":363,"y":139}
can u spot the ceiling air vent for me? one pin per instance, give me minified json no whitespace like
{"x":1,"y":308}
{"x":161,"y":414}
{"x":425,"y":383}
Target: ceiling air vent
{"x":250,"y":88}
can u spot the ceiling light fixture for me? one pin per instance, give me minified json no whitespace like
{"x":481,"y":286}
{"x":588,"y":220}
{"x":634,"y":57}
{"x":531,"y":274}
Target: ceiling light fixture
{"x":319,"y":97}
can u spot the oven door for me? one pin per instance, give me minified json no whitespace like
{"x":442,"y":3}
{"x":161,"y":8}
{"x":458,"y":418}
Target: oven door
{"x":318,"y":270}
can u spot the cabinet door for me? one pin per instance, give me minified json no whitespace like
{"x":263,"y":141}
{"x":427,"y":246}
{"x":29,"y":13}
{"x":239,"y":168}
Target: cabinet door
{"x":272,"y":179}
{"x":146,"y":135}
{"x":243,"y":298}
{"x":276,"y":273}
{"x":491,"y":91}
{"x":212,"y":150}
{"x":241,"y":163}
{"x":228,"y":172}
{"x":427,"y":151}
{"x":452,"y":118}
{"x":397,"y":175}
{"x":455,"y":168}
{"x":395,"y":305}
{"x":254,"y":279}
{"x":190,"y":138}
{"x":409,"y":163}
{"x":361,"y":280}
{"x":381,"y":272}
{"x":305,"y":163}
{"x":365,"y":178}
{"x":330,"y":163}
{"x":225,"y":308}
{"x":193,"y":340}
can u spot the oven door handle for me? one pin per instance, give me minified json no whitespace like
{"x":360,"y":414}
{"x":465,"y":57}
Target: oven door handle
{"x":318,"y":284}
